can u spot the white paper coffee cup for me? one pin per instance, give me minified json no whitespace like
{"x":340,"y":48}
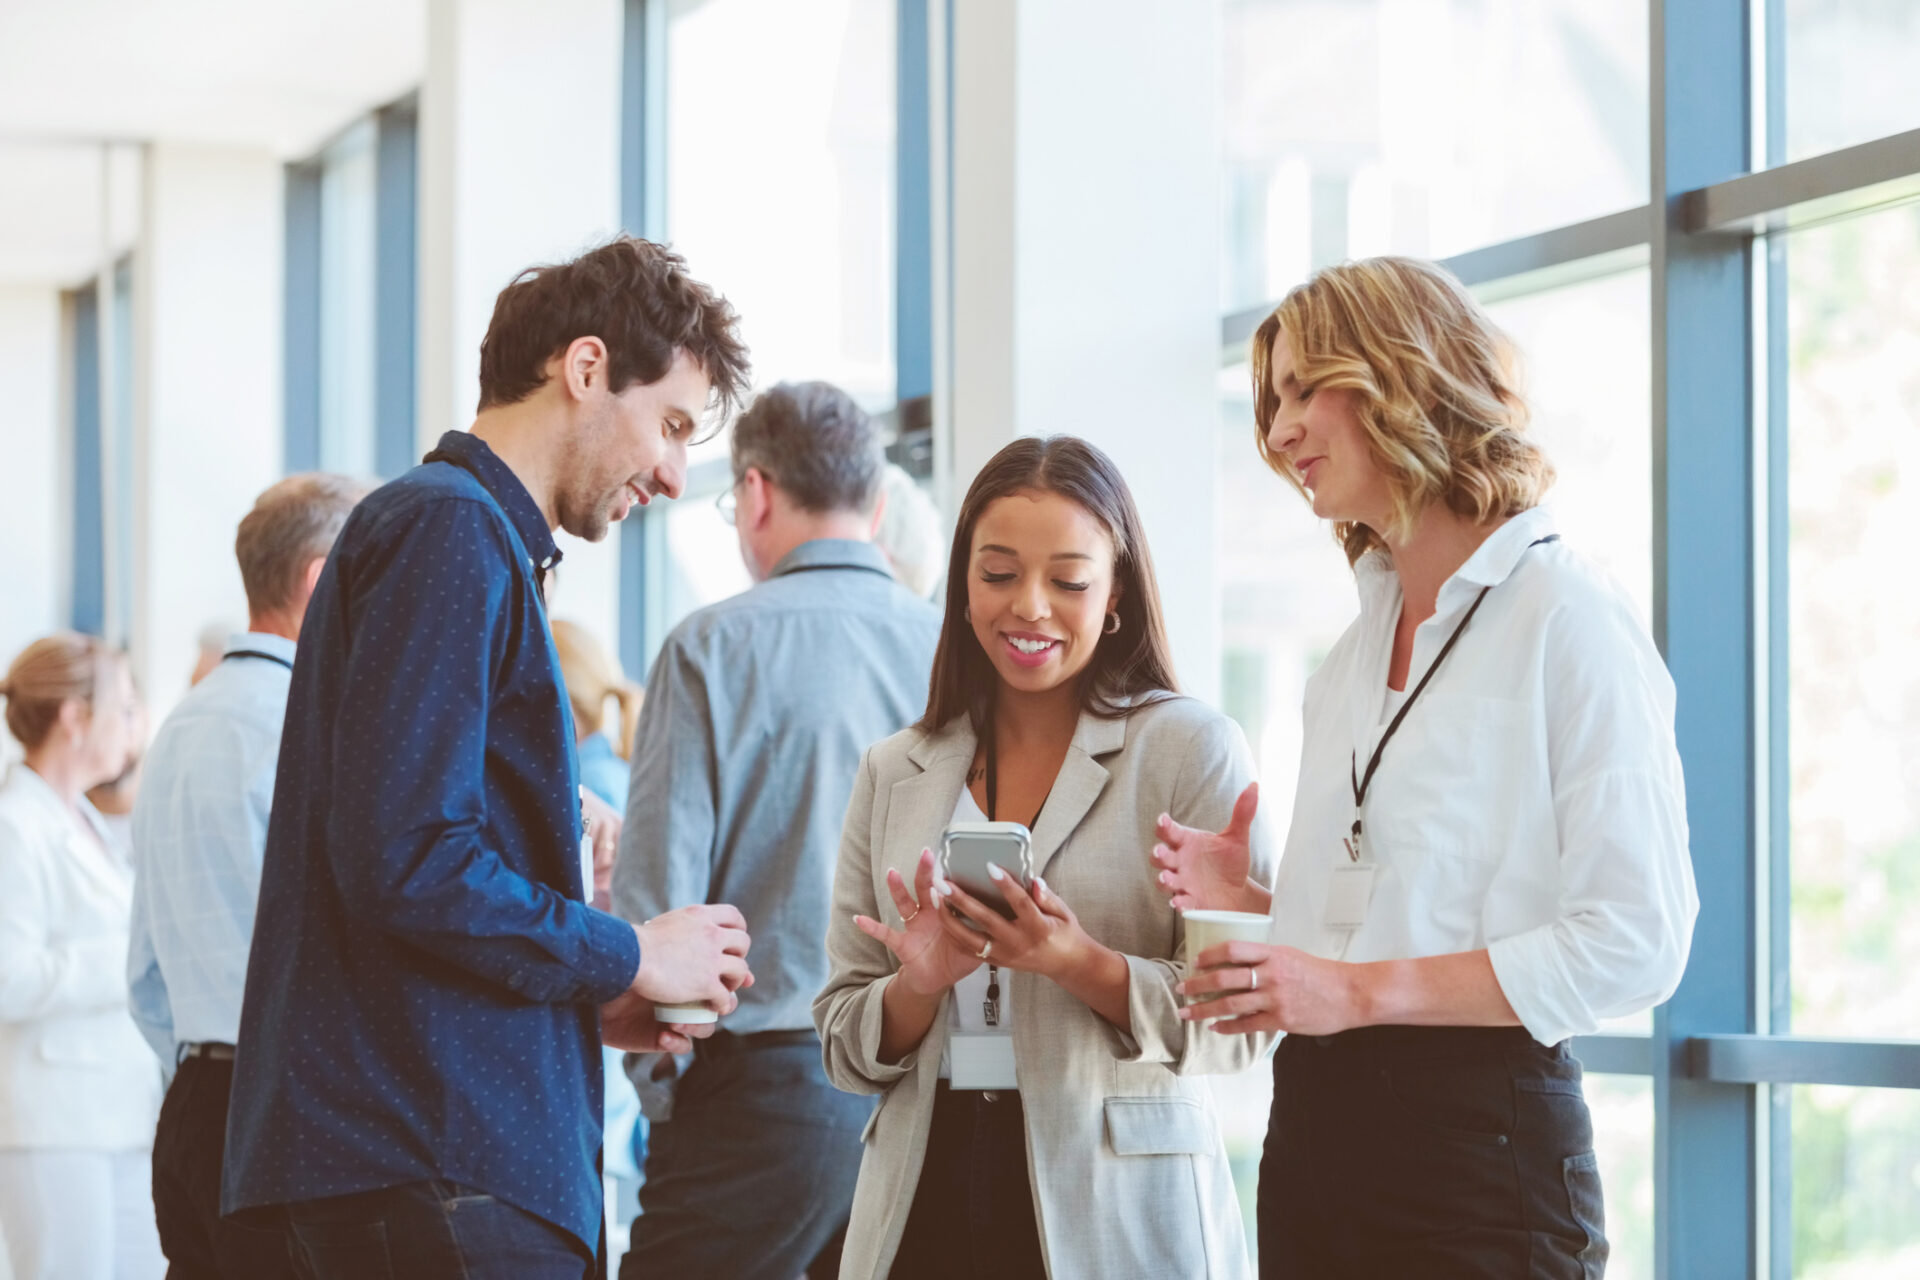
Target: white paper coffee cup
{"x":685,"y":1014}
{"x":1206,"y":929}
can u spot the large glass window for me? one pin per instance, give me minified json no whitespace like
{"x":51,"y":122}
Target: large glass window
{"x":783,"y":196}
{"x":1849,"y":72}
{"x":1853,"y":488}
{"x":1856,"y":1183}
{"x":347,"y":230}
{"x":1357,"y":127}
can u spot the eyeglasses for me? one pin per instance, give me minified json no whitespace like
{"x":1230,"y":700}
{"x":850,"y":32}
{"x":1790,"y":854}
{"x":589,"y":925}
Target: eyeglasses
{"x":728,"y":502}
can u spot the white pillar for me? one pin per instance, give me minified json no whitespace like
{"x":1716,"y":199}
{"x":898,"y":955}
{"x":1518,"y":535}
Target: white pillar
{"x":519,"y":164}
{"x":206,"y":392}
{"x":33,"y":486}
{"x":1085,"y":244}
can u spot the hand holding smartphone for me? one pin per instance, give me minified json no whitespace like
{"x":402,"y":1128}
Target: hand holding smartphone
{"x":968,"y":847}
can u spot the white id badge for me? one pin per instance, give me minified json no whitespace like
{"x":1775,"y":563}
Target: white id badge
{"x":586,"y":868}
{"x":1348,"y":893}
{"x":981,"y":1062}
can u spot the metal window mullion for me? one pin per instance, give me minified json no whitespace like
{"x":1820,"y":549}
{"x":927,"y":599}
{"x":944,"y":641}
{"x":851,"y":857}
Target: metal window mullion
{"x":643,"y":212}
{"x":1871,"y":175}
{"x":300,"y":425}
{"x":913,"y":203}
{"x":396,"y":285}
{"x":1764,"y":1059}
{"x":1704,"y":615}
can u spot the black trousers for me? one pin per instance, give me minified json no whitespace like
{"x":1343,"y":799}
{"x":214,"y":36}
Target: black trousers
{"x":1436,"y":1152}
{"x":972,"y":1214}
{"x":188,"y":1149}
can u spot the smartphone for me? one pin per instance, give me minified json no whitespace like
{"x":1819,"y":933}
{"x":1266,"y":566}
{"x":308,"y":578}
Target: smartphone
{"x":968,"y":847}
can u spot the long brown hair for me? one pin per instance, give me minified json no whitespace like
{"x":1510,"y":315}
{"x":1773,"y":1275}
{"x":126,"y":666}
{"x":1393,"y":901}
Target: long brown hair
{"x":1135,"y":662}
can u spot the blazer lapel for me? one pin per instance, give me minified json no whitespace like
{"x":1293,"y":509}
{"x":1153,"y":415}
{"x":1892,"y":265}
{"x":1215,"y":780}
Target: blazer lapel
{"x":1082,"y":778}
{"x":920,"y":807}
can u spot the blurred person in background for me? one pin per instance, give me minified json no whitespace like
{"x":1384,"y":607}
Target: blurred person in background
{"x":115,"y":798}
{"x":1488,"y":853}
{"x":429,"y":986}
{"x":757,"y":712}
{"x":911,"y":534}
{"x":201,"y":829}
{"x":594,"y":679}
{"x":78,"y":1089}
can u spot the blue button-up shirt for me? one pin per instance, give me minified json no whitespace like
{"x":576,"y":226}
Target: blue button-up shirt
{"x":199,"y":831}
{"x":423,"y":989}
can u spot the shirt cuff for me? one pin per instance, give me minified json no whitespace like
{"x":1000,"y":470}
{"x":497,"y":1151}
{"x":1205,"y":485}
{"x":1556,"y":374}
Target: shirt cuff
{"x":1530,"y":973}
{"x":613,"y":957}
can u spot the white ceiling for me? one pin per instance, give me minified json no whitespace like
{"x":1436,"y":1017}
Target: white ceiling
{"x":282,"y":75}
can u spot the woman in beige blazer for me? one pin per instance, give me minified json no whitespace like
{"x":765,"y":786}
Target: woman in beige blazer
{"x":1038,"y":1115}
{"x":79,"y":1088}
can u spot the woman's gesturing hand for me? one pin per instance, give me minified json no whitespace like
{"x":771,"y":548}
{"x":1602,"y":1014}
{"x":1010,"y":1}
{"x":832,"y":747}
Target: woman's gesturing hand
{"x":1043,"y":937}
{"x":930,"y":960}
{"x":1212,"y":870}
{"x":1266,"y":988}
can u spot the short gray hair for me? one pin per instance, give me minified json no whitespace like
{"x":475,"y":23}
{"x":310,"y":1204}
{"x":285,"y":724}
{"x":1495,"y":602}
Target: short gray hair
{"x":813,"y":441}
{"x":292,"y":524}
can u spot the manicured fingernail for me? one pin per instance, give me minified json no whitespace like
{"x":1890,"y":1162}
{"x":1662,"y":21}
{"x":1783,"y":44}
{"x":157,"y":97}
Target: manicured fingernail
{"x":1041,"y":884}
{"x":993,"y":869}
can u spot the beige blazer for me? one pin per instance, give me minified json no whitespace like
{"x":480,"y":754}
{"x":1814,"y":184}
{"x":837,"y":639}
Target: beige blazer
{"x":1129,"y":1172}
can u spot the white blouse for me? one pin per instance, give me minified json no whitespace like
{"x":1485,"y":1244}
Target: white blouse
{"x":1531,"y":802}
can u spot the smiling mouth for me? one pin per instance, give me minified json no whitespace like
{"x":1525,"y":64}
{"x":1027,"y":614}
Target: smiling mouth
{"x":1305,"y":469}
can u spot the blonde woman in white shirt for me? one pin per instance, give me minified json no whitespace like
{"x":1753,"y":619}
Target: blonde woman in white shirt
{"x":79,"y":1089}
{"x":1489,"y":843}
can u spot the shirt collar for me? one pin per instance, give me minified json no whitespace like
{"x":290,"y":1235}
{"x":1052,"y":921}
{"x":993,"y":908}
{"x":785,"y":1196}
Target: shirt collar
{"x":1489,"y":566}
{"x":260,"y":642}
{"x":470,"y":453}
{"x":832,"y":553}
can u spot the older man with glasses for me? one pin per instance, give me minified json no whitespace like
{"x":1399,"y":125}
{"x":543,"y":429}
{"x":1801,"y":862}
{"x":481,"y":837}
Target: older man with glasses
{"x":757,"y":713}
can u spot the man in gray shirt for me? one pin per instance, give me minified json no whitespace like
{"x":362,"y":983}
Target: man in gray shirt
{"x":757,"y":713}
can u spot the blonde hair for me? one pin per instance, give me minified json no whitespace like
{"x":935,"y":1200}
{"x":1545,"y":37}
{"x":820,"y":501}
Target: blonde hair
{"x":1436,"y":385}
{"x":910,"y":535}
{"x":592,"y":677}
{"x":48,"y":674}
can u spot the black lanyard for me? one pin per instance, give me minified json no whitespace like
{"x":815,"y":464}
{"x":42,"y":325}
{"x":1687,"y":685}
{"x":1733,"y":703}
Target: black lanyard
{"x":990,"y":1007}
{"x":255,"y":653}
{"x":1362,"y":783}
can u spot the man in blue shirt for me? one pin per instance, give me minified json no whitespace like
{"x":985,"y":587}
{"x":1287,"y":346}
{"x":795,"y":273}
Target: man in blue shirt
{"x":757,"y":713}
{"x":418,"y":1086}
{"x":199,"y":832}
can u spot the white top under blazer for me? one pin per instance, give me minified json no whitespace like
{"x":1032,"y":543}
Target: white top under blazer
{"x":1531,"y":802}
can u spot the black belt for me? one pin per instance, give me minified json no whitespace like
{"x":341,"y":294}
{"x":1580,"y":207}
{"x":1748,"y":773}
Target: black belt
{"x":722,"y":1042}
{"x":212,"y":1050}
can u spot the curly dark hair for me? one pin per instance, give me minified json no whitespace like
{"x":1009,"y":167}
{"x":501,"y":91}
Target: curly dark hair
{"x":632,"y":294}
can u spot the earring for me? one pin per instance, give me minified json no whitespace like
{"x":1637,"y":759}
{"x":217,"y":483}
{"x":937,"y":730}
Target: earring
{"x":967,"y":613}
{"x":1113,"y":623}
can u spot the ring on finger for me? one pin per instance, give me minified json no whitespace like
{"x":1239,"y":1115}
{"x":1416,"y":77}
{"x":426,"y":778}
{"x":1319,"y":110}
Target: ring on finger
{"x":985,"y":951}
{"x":909,"y":919}
{"x":1253,"y":978}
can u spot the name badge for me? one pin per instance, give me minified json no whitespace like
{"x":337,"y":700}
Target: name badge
{"x":1348,"y":893}
{"x":586,"y":868}
{"x":981,"y":1062}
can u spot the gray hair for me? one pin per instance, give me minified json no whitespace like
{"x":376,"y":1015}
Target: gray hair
{"x":912,"y":534}
{"x":292,"y":524}
{"x":815,"y":443}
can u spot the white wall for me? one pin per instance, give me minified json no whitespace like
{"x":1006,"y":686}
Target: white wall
{"x":207,"y":392}
{"x":519,"y":165}
{"x":34,"y":499}
{"x":1085,"y":241}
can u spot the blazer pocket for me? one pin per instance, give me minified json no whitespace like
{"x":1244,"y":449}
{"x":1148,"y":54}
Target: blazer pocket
{"x":1163,"y":1126}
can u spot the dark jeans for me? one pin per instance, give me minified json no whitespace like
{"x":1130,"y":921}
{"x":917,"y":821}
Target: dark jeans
{"x":429,"y":1231}
{"x":972,"y":1214}
{"x":188,"y":1148}
{"x":1429,"y":1151}
{"x":752,"y":1178}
